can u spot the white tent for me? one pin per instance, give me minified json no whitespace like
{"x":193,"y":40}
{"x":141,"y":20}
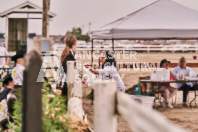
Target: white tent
{"x":163,"y":19}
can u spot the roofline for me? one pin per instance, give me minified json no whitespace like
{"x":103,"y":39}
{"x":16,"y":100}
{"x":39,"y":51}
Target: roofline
{"x":134,"y":12}
{"x":11,"y":10}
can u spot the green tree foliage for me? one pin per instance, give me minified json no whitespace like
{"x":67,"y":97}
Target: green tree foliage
{"x":78,"y":33}
{"x":54,"y":119}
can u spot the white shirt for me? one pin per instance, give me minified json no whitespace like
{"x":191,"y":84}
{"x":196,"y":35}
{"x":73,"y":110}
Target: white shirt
{"x":3,"y":52}
{"x":17,"y":74}
{"x":177,"y":70}
{"x":110,"y":72}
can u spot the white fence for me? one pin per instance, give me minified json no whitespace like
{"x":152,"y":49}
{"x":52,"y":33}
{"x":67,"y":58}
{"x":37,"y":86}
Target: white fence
{"x":74,"y":85}
{"x":135,"y":47}
{"x":108,"y":103}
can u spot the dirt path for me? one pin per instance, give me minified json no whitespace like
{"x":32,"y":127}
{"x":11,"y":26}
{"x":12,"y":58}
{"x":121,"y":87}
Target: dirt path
{"x":184,"y":117}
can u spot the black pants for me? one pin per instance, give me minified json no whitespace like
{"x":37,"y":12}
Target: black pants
{"x":185,"y":89}
{"x":63,"y":89}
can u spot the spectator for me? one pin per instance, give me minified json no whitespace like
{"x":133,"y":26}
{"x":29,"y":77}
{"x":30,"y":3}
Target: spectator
{"x":8,"y":86}
{"x":17,"y":72}
{"x":168,"y":90}
{"x":184,"y":86}
{"x":4,"y":60}
{"x":109,"y":70}
{"x":67,"y":55}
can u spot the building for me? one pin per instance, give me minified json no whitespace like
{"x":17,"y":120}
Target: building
{"x":17,"y":28}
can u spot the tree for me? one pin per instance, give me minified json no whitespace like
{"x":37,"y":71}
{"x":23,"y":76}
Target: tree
{"x":78,"y":33}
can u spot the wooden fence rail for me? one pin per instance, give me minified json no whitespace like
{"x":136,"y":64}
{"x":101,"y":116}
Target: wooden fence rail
{"x":74,"y":84}
{"x":142,"y":119}
{"x":109,"y":103}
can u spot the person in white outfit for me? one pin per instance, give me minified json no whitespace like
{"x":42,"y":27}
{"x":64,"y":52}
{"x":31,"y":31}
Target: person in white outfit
{"x":184,"y":86}
{"x":109,"y":70}
{"x":17,"y":72}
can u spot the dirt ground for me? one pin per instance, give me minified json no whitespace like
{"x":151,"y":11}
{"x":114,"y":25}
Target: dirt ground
{"x":184,"y":117}
{"x":88,"y":107}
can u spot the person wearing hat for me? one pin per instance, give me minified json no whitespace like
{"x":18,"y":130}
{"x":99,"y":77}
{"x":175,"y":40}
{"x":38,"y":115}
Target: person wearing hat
{"x":168,"y":90}
{"x":17,"y":72}
{"x":8,"y":86}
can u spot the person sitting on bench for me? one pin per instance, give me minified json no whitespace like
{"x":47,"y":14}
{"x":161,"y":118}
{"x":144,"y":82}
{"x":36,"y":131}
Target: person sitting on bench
{"x":168,"y":90}
{"x":184,"y":86}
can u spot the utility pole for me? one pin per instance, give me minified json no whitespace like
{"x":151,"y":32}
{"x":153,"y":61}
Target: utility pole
{"x":46,"y":4}
{"x":89,"y":27}
{"x":83,"y":28}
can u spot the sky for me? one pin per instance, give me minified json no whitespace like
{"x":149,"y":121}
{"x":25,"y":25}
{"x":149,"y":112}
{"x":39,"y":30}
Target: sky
{"x":79,"y":13}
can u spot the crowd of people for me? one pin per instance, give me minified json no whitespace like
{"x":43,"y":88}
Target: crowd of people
{"x":12,"y":82}
{"x":108,"y":70}
{"x":185,"y":87}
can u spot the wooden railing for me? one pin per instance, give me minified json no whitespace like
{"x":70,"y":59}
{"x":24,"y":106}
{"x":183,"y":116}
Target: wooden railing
{"x":108,"y":103}
{"x":74,"y":85}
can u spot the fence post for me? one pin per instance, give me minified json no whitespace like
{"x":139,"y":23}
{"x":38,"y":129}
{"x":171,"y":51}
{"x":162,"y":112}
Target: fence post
{"x":32,"y":102}
{"x":74,"y":89}
{"x":105,"y":119}
{"x":74,"y":79}
{"x":70,"y":77}
{"x":77,"y":88}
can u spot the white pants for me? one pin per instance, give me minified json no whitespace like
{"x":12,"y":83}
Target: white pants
{"x":169,"y":92}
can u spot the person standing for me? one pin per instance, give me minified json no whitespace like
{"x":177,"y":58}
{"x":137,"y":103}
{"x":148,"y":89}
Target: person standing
{"x":4,"y":60}
{"x":17,"y":72}
{"x":67,"y":55}
{"x":184,"y":86}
